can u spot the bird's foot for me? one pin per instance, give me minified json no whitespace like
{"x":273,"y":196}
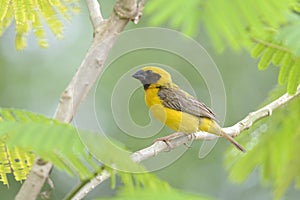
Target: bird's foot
{"x":167,"y":139}
{"x":187,"y":145}
{"x":191,"y":138}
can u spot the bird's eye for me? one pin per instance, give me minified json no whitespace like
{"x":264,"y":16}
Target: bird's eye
{"x":148,"y":71}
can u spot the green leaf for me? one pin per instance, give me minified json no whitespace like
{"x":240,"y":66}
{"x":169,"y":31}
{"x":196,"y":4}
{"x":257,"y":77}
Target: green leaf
{"x":294,"y":78}
{"x":273,"y":27}
{"x":14,"y":160}
{"x":273,"y":149}
{"x":227,"y":24}
{"x":99,"y":145}
{"x":289,"y":33}
{"x":257,"y":50}
{"x":277,"y":57}
{"x":271,"y":51}
{"x":23,"y":133}
{"x":266,"y":59}
{"x":146,"y":193}
{"x":29,"y":14}
{"x":286,"y":65}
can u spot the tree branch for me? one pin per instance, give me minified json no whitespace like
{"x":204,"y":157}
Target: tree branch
{"x":105,"y":34}
{"x":83,"y":189}
{"x":95,"y":12}
{"x":160,"y":146}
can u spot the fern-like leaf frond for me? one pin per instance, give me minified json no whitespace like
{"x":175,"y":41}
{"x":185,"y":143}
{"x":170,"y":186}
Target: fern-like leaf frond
{"x":274,"y":148}
{"x":148,"y":193}
{"x":272,"y":26}
{"x":23,"y":133}
{"x":29,"y":14}
{"x":271,"y":51}
{"x":226,"y":23}
{"x":289,"y":33}
{"x":14,"y":160}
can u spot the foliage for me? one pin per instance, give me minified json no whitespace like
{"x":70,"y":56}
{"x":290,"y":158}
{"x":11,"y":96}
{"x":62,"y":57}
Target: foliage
{"x":269,"y":28}
{"x":160,"y":193}
{"x":225,"y":22}
{"x":14,"y":159}
{"x":272,"y":52}
{"x":31,"y":14}
{"x":276,"y":153}
{"x":23,"y":133}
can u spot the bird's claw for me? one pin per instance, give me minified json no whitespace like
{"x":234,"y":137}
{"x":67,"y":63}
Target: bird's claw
{"x":187,"y":145}
{"x":166,"y":140}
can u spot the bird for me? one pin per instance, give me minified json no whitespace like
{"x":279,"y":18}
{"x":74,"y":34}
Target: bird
{"x":176,"y":108}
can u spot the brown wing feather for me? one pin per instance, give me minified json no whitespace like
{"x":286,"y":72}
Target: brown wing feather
{"x":177,"y":99}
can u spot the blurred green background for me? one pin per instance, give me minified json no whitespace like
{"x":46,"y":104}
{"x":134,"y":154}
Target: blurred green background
{"x":34,"y":78}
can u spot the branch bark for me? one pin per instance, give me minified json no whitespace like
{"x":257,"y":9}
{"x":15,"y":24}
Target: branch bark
{"x":160,"y":146}
{"x":105,"y":34}
{"x":95,"y":12}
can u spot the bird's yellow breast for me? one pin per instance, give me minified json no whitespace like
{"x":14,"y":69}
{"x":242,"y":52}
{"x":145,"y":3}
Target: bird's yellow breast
{"x":175,"y":120}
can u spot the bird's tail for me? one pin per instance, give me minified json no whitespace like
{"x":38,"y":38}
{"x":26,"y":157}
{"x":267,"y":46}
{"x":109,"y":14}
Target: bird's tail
{"x":233,"y":141}
{"x":213,"y":127}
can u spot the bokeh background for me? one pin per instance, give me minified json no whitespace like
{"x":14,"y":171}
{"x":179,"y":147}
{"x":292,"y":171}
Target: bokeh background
{"x":33,"y":79}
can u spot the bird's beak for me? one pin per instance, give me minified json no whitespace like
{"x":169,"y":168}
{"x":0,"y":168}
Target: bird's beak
{"x":140,"y":75}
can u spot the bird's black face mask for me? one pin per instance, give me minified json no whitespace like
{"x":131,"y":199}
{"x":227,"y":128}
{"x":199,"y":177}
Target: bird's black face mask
{"x":146,"y":77}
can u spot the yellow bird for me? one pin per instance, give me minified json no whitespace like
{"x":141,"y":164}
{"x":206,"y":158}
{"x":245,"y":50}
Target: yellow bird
{"x":176,"y":108}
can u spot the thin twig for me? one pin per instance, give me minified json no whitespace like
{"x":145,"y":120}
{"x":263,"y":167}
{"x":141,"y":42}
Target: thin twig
{"x":139,"y":13}
{"x":105,"y":34}
{"x":77,"y":195}
{"x":95,"y":12}
{"x":160,"y":146}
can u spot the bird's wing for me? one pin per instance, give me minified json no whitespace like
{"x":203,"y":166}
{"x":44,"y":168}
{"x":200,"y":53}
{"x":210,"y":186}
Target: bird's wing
{"x":177,"y":99}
